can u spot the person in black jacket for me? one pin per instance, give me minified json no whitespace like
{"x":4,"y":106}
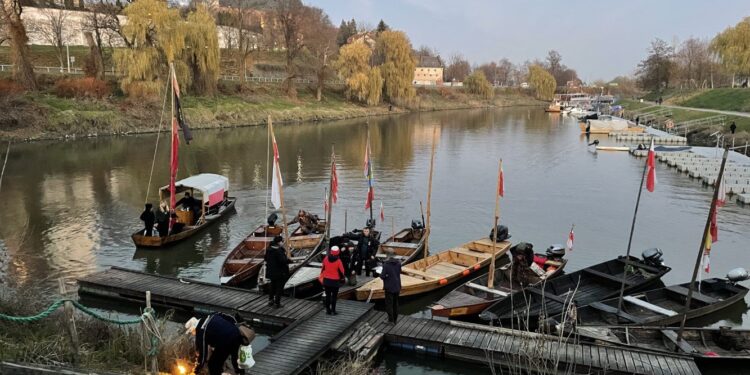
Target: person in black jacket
{"x":277,"y":270}
{"x":364,"y":254}
{"x":391,"y":276}
{"x":148,"y":219}
{"x":220,"y":332}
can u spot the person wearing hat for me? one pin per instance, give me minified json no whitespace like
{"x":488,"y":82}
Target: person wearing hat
{"x":364,"y":255}
{"x":277,"y":270}
{"x":148,"y":219}
{"x":220,"y":333}
{"x":331,"y":275}
{"x":391,"y":277}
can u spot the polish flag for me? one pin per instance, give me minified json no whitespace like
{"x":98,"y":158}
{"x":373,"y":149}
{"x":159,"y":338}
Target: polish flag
{"x":571,"y":239}
{"x":651,"y":162}
{"x":334,"y":182}
{"x":722,"y":199}
{"x":276,"y":183}
{"x":325,"y":201}
{"x":714,"y":233}
{"x":382,"y":213}
{"x":501,"y":183}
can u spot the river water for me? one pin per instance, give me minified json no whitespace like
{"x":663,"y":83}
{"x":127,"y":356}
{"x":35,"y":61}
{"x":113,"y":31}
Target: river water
{"x":69,"y":207}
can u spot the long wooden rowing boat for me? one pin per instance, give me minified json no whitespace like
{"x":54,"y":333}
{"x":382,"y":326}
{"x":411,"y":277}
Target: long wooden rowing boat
{"x":664,"y":306}
{"x":474,"y":296}
{"x":592,"y":284}
{"x":303,"y":249}
{"x":407,"y":245}
{"x":244,"y":261}
{"x":439,"y":270}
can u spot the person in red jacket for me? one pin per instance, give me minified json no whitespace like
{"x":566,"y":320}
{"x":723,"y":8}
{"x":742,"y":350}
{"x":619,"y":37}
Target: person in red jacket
{"x":331,"y":275}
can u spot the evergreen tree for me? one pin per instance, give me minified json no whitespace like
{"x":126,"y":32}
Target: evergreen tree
{"x":382,"y":27}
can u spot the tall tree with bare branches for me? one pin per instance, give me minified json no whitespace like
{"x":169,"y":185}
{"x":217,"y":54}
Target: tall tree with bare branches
{"x":321,"y":46}
{"x":291,"y":16}
{"x":23,"y":70}
{"x":54,"y":29}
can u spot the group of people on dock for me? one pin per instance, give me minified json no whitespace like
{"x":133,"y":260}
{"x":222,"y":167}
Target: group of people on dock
{"x":166,"y":221}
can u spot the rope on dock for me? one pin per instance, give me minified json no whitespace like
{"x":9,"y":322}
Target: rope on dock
{"x":147,"y":314}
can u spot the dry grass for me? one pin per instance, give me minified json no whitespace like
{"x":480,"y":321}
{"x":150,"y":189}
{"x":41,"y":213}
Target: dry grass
{"x":347,"y":366}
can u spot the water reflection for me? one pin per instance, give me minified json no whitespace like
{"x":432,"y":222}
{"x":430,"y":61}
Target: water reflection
{"x":70,"y":206}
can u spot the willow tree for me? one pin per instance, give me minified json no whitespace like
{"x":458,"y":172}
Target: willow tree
{"x":476,"y":83}
{"x":202,"y":54}
{"x":398,"y":65}
{"x":23,"y":70}
{"x":733,"y":48}
{"x":542,"y":81}
{"x":362,"y":81}
{"x":157,"y":34}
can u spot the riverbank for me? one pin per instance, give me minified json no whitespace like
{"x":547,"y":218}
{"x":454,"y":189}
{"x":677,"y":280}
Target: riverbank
{"x":43,"y":115}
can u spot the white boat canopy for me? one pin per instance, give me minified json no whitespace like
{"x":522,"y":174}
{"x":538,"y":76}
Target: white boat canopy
{"x":212,"y":186}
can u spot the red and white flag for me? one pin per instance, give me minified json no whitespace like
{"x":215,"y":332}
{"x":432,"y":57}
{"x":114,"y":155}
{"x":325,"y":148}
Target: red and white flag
{"x":571,"y":239}
{"x":382,"y":213}
{"x":325,"y":200}
{"x":651,"y":162}
{"x":334,"y":182}
{"x":276,"y":183}
{"x":501,"y":182}
{"x":722,"y":199}
{"x":714,"y":233}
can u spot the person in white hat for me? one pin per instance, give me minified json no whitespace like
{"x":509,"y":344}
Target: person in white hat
{"x":220,"y":332}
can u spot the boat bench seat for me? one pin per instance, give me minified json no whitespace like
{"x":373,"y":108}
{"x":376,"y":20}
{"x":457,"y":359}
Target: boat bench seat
{"x":684,"y":345}
{"x":407,"y":245}
{"x":613,"y":310}
{"x":649,"y":306}
{"x":682,"y":291}
{"x":486,"y":289}
{"x":397,"y":257}
{"x":646,"y":267}
{"x":315,"y":264}
{"x":417,"y":273}
{"x":547,"y":295}
{"x":471,"y":253}
{"x":305,"y":237}
{"x":608,"y":276}
{"x":239,"y":261}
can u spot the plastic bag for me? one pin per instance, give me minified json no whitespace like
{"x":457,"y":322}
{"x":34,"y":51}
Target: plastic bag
{"x":246,"y":360}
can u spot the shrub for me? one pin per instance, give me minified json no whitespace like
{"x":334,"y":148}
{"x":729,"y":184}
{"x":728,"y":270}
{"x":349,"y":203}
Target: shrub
{"x":9,"y":87}
{"x":88,"y":87}
{"x":476,"y":83}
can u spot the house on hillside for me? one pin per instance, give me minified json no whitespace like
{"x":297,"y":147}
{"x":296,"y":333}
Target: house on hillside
{"x":368,"y":38}
{"x":429,"y":72}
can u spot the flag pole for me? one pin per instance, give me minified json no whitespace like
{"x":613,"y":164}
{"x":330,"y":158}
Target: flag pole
{"x":330,"y":195}
{"x":281,"y":193}
{"x":630,"y":239}
{"x":701,"y":248}
{"x":369,"y":169}
{"x":491,"y":278}
{"x":429,"y":194}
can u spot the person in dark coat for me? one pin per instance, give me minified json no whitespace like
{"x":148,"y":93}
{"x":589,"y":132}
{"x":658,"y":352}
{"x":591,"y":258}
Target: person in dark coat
{"x":277,"y":270}
{"x":331,"y":275}
{"x":162,"y":220}
{"x":346,"y":257}
{"x":733,"y":127}
{"x":219,"y":332}
{"x":191,"y":204}
{"x":148,"y":219}
{"x":391,"y":276}
{"x":364,"y":254}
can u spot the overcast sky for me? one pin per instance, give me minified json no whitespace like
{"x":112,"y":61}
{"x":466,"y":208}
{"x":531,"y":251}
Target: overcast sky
{"x":597,"y":38}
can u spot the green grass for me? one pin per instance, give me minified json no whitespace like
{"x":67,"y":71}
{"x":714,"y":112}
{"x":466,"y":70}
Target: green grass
{"x":727,"y":99}
{"x":680,"y":115}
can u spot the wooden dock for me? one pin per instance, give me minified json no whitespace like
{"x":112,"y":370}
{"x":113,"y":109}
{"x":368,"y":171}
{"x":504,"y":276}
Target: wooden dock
{"x":359,"y":330}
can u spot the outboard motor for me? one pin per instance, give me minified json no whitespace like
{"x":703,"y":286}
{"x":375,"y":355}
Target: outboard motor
{"x":417,"y":224}
{"x":653,"y":257}
{"x":738,"y":274}
{"x":502,"y":233}
{"x":371,"y":223}
{"x":555,"y":252}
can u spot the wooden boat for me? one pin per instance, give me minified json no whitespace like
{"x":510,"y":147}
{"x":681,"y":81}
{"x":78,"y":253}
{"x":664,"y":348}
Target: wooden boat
{"x":211,"y":190}
{"x":665,"y":306}
{"x":439,"y":270}
{"x":303,"y":248}
{"x":475,"y":296}
{"x":407,"y":245}
{"x":243,"y":263}
{"x":721,"y":349}
{"x":592,"y":284}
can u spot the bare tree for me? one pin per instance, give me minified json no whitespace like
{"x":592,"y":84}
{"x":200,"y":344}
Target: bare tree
{"x":458,"y":68}
{"x":54,"y":29}
{"x":694,"y":63}
{"x":291,"y":16}
{"x":321,"y":45}
{"x":504,"y":72}
{"x":244,"y":41}
{"x":23,"y":70}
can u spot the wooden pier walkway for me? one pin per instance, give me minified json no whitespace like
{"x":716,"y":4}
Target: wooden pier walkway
{"x":358,"y":329}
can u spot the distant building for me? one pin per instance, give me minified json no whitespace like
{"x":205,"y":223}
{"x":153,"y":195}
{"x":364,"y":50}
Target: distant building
{"x":574,"y":84}
{"x":429,"y":71}
{"x":368,"y":38}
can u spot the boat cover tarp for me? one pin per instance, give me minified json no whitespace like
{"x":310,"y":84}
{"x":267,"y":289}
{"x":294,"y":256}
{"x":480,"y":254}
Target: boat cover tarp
{"x":212,"y":186}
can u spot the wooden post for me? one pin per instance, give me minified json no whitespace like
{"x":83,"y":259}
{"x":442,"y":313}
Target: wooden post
{"x":154,"y":360}
{"x":330,"y":195}
{"x":346,"y":218}
{"x":70,"y":320}
{"x":2,"y":172}
{"x":429,"y":195}
{"x":701,"y":248}
{"x":491,"y":278}
{"x":393,"y":226}
{"x":281,"y":195}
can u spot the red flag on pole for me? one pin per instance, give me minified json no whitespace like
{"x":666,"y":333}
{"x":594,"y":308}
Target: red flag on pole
{"x":382,"y":213}
{"x":334,"y":182}
{"x":722,"y":199}
{"x":325,"y":201}
{"x":651,"y":162}
{"x":368,"y":176}
{"x":501,"y":183}
{"x":714,"y":227}
{"x":571,"y":239}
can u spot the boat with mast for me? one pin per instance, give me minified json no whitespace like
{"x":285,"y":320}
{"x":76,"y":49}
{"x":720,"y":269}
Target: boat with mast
{"x":188,"y":218}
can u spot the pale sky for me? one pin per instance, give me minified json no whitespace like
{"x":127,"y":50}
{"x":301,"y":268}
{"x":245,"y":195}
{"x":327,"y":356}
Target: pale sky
{"x":600,"y":39}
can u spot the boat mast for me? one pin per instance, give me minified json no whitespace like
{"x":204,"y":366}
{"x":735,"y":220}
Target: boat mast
{"x":281,"y":191}
{"x":369,"y":170}
{"x":491,"y":278}
{"x":701,"y":248}
{"x":429,"y":195}
{"x":630,"y":239}
{"x":174,"y":159}
{"x":330,"y":195}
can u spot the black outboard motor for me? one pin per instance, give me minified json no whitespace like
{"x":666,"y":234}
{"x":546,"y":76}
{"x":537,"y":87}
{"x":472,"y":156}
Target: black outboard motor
{"x":653,"y":257}
{"x":371,"y":223}
{"x":417,"y":224}
{"x":555,"y":252}
{"x":272,"y":218}
{"x":502,"y":233}
{"x":738,"y":274}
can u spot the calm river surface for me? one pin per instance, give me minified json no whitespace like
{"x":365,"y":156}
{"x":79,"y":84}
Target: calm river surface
{"x":69,"y":207}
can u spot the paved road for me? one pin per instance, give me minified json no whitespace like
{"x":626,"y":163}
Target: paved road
{"x":717,"y":111}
